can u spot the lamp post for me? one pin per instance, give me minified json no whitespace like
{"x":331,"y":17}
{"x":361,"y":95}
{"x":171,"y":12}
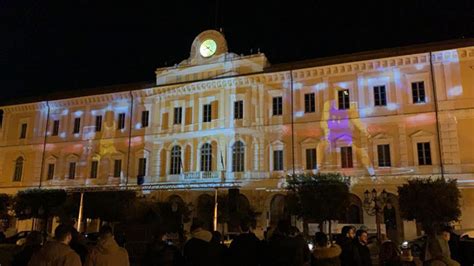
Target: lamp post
{"x":374,"y":205}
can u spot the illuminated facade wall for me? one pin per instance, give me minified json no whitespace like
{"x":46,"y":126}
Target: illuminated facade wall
{"x":229,"y":119}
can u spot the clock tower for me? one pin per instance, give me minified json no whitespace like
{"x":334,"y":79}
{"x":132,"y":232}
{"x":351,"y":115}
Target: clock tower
{"x":209,"y":58}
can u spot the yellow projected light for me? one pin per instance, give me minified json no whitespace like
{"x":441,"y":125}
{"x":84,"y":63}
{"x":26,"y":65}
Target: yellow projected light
{"x":208,"y":48}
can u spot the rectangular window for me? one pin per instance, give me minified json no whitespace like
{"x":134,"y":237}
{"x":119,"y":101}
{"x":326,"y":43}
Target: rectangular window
{"x":424,"y":153}
{"x":278,"y":160}
{"x":309,"y":103}
{"x":72,"y":170}
{"x":383,"y":154}
{"x":121,"y":121}
{"x":98,"y":123}
{"x":145,"y":118}
{"x":94,"y":168}
{"x":311,"y":159}
{"x":142,"y":167}
{"x":343,"y":99}
{"x":50,"y":171}
{"x":206,"y":114}
{"x":418,"y":92}
{"x":117,"y":168}
{"x":55,"y":128}
{"x":346,"y":157}
{"x":380,"y":97}
{"x":23,"y":131}
{"x":238,"y":109}
{"x":178,"y":115}
{"x":77,"y":125}
{"x":277,"y":105}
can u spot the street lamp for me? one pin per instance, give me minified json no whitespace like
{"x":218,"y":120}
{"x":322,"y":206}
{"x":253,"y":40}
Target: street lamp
{"x":374,"y":205}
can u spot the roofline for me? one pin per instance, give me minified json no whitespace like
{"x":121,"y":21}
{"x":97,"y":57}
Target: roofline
{"x":332,"y":60}
{"x":374,"y":54}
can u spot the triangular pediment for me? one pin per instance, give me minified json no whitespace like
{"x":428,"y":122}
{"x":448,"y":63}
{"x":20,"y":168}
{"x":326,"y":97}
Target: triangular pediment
{"x":382,"y":136}
{"x":421,"y":133}
{"x":309,"y":141}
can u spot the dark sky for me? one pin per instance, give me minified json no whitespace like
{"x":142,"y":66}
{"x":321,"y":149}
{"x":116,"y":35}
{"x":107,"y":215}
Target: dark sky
{"x":48,"y":46}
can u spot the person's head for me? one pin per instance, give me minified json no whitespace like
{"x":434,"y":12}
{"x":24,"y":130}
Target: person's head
{"x":348,"y":231}
{"x":197,"y":224}
{"x":389,"y":252}
{"x":244,"y":226}
{"x":216,"y":237}
{"x":63,"y":233}
{"x":283,"y":226}
{"x":445,"y":233}
{"x":362,"y":236}
{"x":321,"y":239}
{"x":105,"y":231}
{"x":35,"y":238}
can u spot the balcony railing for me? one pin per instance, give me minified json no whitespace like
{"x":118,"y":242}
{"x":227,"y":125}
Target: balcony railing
{"x":201,"y":175}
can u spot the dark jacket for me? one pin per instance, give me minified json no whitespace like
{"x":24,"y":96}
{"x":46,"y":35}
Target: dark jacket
{"x":326,"y":256}
{"x":245,"y":250}
{"x":55,"y":253}
{"x":283,"y":250}
{"x":23,"y":257}
{"x":361,"y":255}
{"x":160,"y":253}
{"x":198,"y":250}
{"x":347,"y":255}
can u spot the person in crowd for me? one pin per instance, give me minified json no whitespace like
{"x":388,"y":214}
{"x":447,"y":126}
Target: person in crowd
{"x":57,"y":252}
{"x":32,"y":245}
{"x":246,"y":248}
{"x":284,"y":248}
{"x":220,"y":250}
{"x":437,"y":249}
{"x":107,"y":251}
{"x":162,"y":253}
{"x":389,"y":254}
{"x":360,"y":251}
{"x":345,"y":241}
{"x":198,"y":250}
{"x":78,"y":245}
{"x":325,"y":254}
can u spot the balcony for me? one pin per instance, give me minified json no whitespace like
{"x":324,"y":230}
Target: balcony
{"x":201,"y":175}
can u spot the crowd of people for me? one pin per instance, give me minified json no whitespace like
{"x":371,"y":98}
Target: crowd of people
{"x":282,"y":246}
{"x":67,"y":249}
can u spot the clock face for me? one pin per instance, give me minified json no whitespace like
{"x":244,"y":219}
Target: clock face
{"x":208,"y":48}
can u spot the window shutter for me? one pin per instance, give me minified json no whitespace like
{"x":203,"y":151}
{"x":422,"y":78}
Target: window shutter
{"x":189,"y":116}
{"x":164,"y":121}
{"x":214,"y":110}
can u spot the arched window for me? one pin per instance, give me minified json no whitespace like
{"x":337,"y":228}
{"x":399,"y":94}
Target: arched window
{"x":175,"y":168}
{"x":18,"y":169}
{"x":206,"y":158}
{"x":238,"y":156}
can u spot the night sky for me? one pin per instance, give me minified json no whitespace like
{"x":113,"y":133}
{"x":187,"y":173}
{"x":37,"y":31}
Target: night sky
{"x":50,"y":46}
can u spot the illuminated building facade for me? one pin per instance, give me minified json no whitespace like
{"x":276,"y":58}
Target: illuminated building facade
{"x":218,"y":119}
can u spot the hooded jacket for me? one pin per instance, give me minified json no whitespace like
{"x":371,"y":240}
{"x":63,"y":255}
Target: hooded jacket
{"x":327,"y":256}
{"x":55,"y":253}
{"x":107,"y":253}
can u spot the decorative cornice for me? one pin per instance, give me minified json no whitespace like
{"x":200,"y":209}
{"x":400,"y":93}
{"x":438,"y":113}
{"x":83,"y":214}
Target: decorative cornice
{"x":87,"y":100}
{"x":25,"y":107}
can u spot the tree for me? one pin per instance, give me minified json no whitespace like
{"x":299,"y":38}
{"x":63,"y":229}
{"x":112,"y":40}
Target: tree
{"x":39,"y":203}
{"x":318,"y":198}
{"x":431,"y":202}
{"x":109,"y":206}
{"x":6,"y":202}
